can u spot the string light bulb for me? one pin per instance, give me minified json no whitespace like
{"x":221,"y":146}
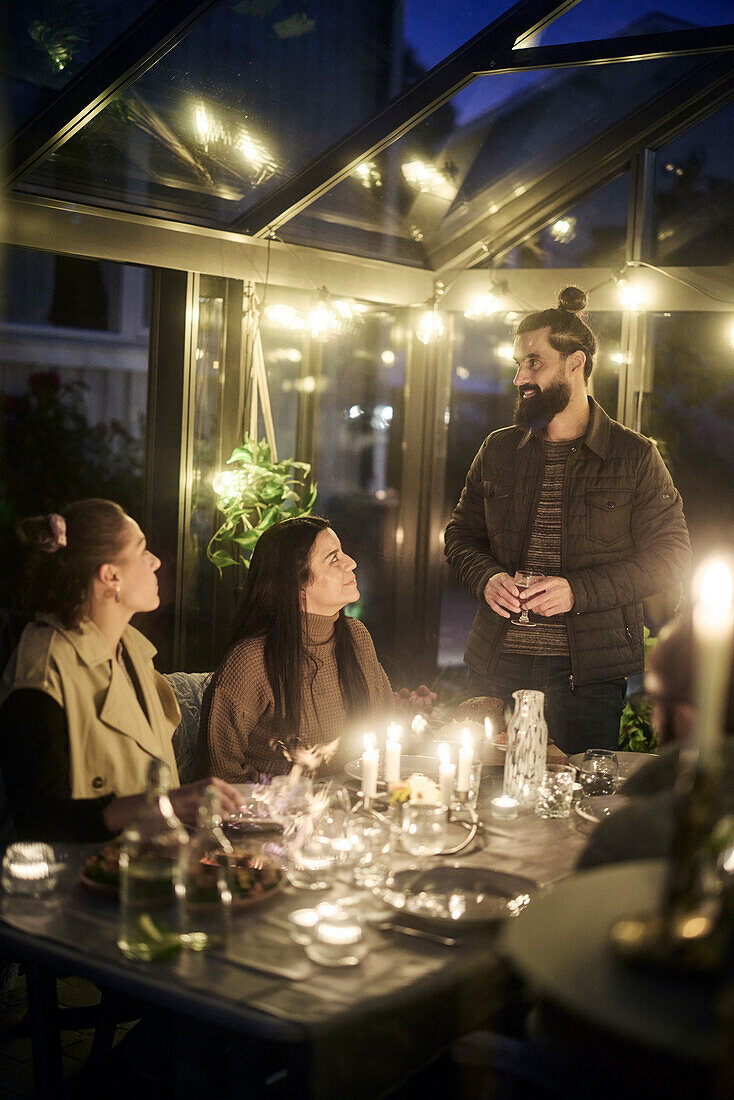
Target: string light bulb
{"x":431,"y":327}
{"x":631,"y":295}
{"x":483,"y":306}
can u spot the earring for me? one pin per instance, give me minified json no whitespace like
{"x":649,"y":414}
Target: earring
{"x":117,"y":594}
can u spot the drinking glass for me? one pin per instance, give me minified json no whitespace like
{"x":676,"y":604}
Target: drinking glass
{"x":370,"y":844}
{"x":29,"y":869}
{"x":599,"y":772}
{"x":311,"y":857}
{"x":523,"y":579}
{"x":424,"y":828}
{"x":555,"y":793}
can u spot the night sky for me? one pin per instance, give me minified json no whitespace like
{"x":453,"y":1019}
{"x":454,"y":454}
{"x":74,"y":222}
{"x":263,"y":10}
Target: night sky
{"x":434,"y":28}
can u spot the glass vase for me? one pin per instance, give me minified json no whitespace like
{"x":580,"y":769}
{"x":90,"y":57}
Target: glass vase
{"x":527,"y":746}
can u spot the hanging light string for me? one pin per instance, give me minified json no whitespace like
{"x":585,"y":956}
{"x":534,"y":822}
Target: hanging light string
{"x":617,"y":276}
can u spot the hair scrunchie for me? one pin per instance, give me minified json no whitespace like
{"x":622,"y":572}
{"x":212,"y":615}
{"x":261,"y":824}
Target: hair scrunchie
{"x":57,"y":526}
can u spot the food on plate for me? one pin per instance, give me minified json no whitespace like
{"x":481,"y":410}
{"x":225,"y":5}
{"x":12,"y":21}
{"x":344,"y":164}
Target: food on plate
{"x":254,"y":875}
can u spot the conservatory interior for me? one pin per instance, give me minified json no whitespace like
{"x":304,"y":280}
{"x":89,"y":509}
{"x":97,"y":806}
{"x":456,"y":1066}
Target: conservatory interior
{"x":317,"y":224}
{"x":268,"y":255}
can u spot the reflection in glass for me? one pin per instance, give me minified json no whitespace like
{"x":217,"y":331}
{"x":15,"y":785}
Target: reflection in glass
{"x":358,"y":462}
{"x":694,"y":195}
{"x":479,"y":155}
{"x":47,"y":44}
{"x":691,"y":414}
{"x":590,"y":234}
{"x":73,"y":389}
{"x":251,"y":94}
{"x":200,"y":576}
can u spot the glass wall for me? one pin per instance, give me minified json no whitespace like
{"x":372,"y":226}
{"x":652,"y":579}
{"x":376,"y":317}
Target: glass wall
{"x":694,"y":195}
{"x":691,"y":414}
{"x":73,"y":387}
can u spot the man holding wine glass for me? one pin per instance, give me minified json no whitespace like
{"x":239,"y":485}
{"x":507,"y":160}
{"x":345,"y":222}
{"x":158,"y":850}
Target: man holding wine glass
{"x":568,"y":521}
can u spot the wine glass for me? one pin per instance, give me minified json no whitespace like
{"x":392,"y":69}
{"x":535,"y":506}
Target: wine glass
{"x":523,"y":579}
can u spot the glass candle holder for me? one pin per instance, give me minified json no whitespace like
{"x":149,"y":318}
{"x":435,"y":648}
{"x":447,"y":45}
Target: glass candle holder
{"x":504,"y":808}
{"x":338,"y":940}
{"x":301,"y":924}
{"x":424,"y":828}
{"x":29,"y":869}
{"x":555,"y":792}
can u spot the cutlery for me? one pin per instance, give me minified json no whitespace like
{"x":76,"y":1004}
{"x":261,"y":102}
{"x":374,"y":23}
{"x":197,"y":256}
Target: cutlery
{"x":420,"y":934}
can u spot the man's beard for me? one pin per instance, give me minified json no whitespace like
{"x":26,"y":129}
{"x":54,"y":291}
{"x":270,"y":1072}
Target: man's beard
{"x":537,"y":412}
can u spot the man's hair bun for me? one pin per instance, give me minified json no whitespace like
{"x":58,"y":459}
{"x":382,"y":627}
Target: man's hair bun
{"x":572,"y":299}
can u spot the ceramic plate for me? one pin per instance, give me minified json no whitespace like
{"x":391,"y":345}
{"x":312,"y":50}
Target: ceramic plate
{"x":455,"y":894}
{"x":423,"y":765}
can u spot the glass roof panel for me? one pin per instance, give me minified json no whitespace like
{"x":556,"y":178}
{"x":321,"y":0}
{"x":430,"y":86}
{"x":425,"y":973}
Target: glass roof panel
{"x":478,"y":155}
{"x":47,"y":42}
{"x":592,"y":233}
{"x":252,"y":94}
{"x":593,"y":19}
{"x":694,"y":195}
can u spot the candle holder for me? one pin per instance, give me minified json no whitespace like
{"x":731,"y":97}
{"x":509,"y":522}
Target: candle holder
{"x":504,"y":808}
{"x":338,"y":940}
{"x":29,"y":869}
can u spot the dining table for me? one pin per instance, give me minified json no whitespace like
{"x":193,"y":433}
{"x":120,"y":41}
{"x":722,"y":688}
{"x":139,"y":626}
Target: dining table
{"x":355,"y":1032}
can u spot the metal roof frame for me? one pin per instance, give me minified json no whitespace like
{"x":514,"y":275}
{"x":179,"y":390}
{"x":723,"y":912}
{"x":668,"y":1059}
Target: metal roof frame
{"x":651,"y":125}
{"x":401,"y":114}
{"x":131,"y":54}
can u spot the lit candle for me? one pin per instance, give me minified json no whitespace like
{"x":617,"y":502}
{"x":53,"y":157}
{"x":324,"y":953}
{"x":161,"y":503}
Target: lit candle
{"x":446,"y":775}
{"x":713,"y":630}
{"x":419,"y":724}
{"x":339,"y":934}
{"x":488,"y":729}
{"x":370,"y":766}
{"x":393,"y":749}
{"x":504,"y":808}
{"x":466,"y":758}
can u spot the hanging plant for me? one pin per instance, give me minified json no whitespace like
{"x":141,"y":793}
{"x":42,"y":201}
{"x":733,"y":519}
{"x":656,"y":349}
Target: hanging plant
{"x":255,"y":492}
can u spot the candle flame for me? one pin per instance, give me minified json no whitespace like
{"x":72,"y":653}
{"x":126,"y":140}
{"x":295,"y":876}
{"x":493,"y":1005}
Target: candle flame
{"x":444,"y":754}
{"x":369,"y":742}
{"x":394,"y":731}
{"x":466,"y":740}
{"x":488,"y":728}
{"x":716,"y":587}
{"x":419,"y":723}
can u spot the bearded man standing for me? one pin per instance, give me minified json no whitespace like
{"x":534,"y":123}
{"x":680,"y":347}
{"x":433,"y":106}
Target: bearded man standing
{"x":569,"y":494}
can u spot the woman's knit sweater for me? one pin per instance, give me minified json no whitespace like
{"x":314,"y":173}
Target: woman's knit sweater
{"x":240,"y":742}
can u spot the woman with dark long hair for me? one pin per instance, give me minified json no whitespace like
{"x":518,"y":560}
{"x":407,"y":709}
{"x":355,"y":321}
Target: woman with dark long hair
{"x":297,"y":673}
{"x":84,"y":710}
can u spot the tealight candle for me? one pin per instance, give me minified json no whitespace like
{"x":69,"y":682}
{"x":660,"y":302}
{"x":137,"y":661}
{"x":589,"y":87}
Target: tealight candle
{"x":713,"y":630}
{"x":393,"y":749}
{"x":446,"y":775}
{"x":466,"y":758}
{"x":338,"y":941}
{"x":504,"y":808}
{"x":302,"y":923}
{"x":370,"y":766}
